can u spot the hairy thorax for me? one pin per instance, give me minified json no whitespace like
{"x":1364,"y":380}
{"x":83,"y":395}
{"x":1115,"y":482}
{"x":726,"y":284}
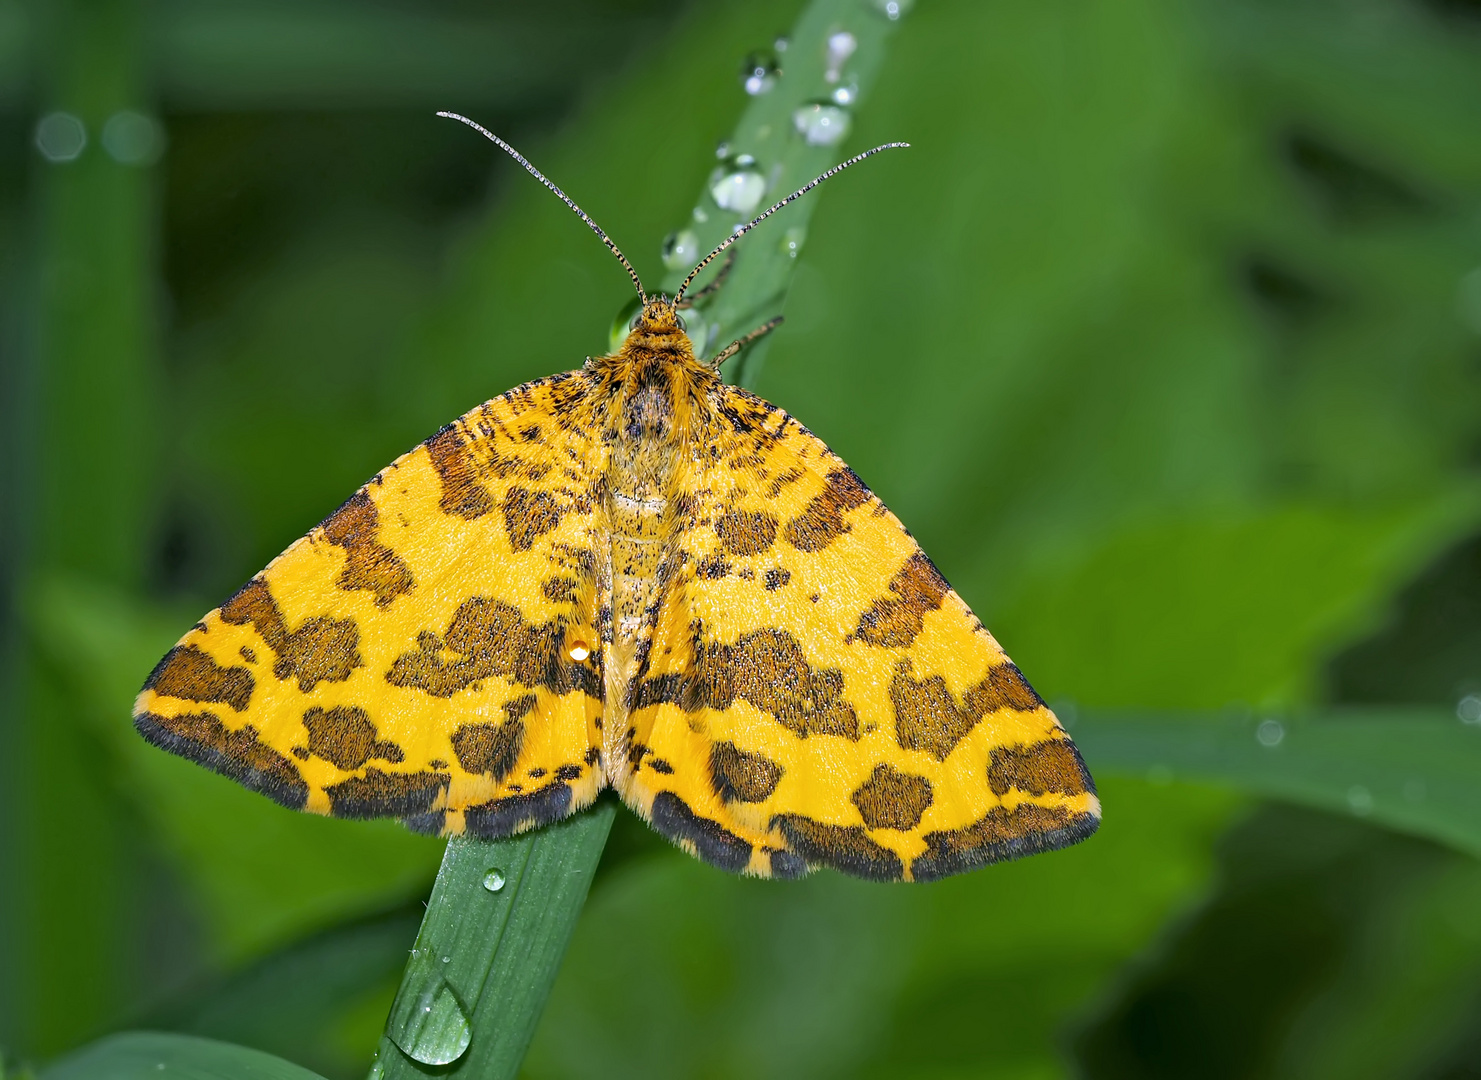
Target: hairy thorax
{"x":656,"y":416}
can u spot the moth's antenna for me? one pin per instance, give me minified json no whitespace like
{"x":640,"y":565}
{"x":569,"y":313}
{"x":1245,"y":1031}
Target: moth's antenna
{"x":538,"y":175}
{"x":743,"y":229}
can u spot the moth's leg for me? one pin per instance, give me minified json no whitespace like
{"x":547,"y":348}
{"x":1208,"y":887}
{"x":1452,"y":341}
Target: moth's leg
{"x":713,"y":287}
{"x":740,"y":343}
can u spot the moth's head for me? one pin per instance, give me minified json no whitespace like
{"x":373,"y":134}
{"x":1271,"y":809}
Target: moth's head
{"x":659,"y":319}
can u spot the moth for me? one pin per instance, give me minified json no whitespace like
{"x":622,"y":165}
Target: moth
{"x":632,"y":574}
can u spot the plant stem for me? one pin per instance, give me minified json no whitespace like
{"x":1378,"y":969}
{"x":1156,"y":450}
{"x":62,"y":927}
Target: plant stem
{"x":497,"y":925}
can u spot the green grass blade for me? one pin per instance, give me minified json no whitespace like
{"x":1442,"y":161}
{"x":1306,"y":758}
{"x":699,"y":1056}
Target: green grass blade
{"x":1416,"y":770}
{"x":833,"y":54}
{"x":489,"y":949}
{"x":137,"y":1055}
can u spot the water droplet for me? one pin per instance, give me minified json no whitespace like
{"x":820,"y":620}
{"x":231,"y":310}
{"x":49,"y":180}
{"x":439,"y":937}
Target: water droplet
{"x":781,"y":43}
{"x":841,"y":45}
{"x":493,"y":881}
{"x":437,"y":1031}
{"x":579,"y":651}
{"x":821,"y":123}
{"x":1360,"y":800}
{"x":722,"y":150}
{"x":1468,"y":709}
{"x":847,"y":94}
{"x":792,"y":241}
{"x":893,"y":9}
{"x":132,"y":138}
{"x":60,"y":137}
{"x":738,"y":185}
{"x":760,"y":72}
{"x":1270,"y":732}
{"x":681,"y":249}
{"x":377,"y":1070}
{"x":700,"y":215}
{"x":447,"y":959}
{"x":619,"y":330}
{"x":1415,"y":790}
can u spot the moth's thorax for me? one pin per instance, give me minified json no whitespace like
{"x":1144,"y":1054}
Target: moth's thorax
{"x":655,"y":415}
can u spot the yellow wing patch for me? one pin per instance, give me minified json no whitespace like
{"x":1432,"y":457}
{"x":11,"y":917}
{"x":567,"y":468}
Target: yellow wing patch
{"x":413,"y":655}
{"x":816,"y":694}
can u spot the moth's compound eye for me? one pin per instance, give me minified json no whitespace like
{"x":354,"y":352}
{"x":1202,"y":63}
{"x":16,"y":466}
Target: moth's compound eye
{"x":680,"y":320}
{"x":638,"y":318}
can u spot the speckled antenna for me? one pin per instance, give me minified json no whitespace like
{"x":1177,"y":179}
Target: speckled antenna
{"x":538,"y":175}
{"x":759,"y":218}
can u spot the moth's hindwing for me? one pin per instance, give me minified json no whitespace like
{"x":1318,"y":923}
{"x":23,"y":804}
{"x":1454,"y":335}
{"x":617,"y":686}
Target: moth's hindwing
{"x":816,"y":694}
{"x":411,"y":656}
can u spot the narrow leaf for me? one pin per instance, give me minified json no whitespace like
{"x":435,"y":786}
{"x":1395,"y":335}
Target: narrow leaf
{"x":1417,"y":770}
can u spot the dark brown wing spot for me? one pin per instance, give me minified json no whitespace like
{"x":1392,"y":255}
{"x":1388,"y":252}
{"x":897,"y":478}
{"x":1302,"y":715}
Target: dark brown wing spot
{"x":712,"y":842}
{"x":782,"y":479}
{"x":894,"y":621}
{"x":1041,"y":767}
{"x":520,"y":707}
{"x":489,"y":749}
{"x":323,"y":649}
{"x":204,"y":739}
{"x":386,"y":794}
{"x":515,"y":813}
{"x":658,"y":765}
{"x":345,"y":737}
{"x":1002,"y":834}
{"x":462,"y":494}
{"x":821,"y":522}
{"x":747,"y":533}
{"x":1007,"y":689}
{"x":776,"y":577}
{"x":739,"y":776}
{"x":843,"y":847}
{"x":766,"y":668}
{"x":928,"y":717}
{"x":529,"y":515}
{"x":488,"y":637}
{"x":369,"y":564}
{"x":891,"y":799}
{"x":712,"y":568}
{"x":568,"y":772}
{"x":187,"y":672}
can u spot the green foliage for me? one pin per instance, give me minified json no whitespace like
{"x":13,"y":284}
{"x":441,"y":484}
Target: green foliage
{"x":138,"y":1055}
{"x":1160,"y":339}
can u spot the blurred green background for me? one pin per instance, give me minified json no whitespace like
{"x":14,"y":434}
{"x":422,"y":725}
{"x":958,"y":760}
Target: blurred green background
{"x":1164,"y":339}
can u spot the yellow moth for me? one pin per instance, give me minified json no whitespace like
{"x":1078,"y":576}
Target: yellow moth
{"x":630,"y":574}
